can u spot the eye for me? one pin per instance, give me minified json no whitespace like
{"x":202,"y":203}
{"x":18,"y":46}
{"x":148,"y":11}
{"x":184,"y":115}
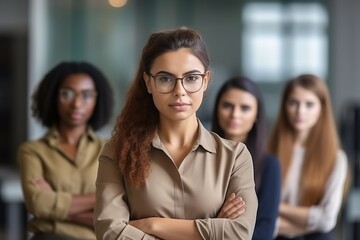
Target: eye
{"x":192,"y":78}
{"x":86,"y":95}
{"x":67,"y":94}
{"x":227,"y":105}
{"x":309,"y":104}
{"x":293,"y":103}
{"x":164,"y":78}
{"x":245,"y":108}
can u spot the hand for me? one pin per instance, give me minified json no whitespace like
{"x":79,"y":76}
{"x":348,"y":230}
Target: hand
{"x":232,"y":208}
{"x":84,"y":218}
{"x":41,"y":184}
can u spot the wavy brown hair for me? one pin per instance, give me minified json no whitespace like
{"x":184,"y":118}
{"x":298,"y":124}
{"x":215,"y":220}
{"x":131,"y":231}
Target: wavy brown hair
{"x":321,"y":146}
{"x":137,"y":123}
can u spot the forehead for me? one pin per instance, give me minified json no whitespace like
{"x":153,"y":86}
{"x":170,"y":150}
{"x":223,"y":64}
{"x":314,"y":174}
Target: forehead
{"x":177,"y":62}
{"x":237,"y":95}
{"x":78,"y":81}
{"x":303,"y":93}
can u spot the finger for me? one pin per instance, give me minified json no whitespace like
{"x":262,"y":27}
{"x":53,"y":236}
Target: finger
{"x":236,"y":206}
{"x":229,"y":206}
{"x":236,"y":214}
{"x":225,"y":206}
{"x":229,"y":203}
{"x":38,"y":181}
{"x":231,"y":196}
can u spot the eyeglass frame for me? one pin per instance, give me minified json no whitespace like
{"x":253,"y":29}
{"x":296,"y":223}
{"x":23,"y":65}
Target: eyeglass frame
{"x":203,"y":75}
{"x":76,"y":95}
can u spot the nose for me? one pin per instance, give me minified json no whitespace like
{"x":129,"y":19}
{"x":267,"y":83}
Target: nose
{"x":179,"y":89}
{"x":236,"y":112}
{"x":300,"y":109}
{"x":77,"y":101}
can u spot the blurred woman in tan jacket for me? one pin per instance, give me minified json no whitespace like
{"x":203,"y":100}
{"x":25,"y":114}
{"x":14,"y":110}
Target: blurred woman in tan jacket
{"x":58,"y":171}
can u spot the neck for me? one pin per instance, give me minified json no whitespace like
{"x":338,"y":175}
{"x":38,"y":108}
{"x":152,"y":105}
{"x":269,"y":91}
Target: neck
{"x":179,"y":133}
{"x":71,"y":135}
{"x":301,"y":137}
{"x":241,"y":138}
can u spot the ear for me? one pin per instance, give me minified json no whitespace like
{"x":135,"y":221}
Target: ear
{"x":206,"y":80}
{"x":147,"y":82}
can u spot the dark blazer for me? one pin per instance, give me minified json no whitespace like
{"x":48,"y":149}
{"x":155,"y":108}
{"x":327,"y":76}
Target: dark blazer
{"x":269,"y":198}
{"x":312,"y":236}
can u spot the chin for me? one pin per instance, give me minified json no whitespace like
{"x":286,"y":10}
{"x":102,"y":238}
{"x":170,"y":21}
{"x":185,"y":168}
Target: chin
{"x":76,"y":124}
{"x":301,"y":128}
{"x":233,"y":133}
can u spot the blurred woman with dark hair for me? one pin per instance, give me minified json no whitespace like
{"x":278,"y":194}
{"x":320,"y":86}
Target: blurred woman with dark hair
{"x":58,"y":171}
{"x":239,"y":115}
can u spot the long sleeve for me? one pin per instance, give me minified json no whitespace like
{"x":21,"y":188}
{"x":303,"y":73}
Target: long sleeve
{"x":242,"y":184}
{"x":322,"y":217}
{"x":111,"y":214}
{"x":45,"y":160}
{"x":41,"y":203}
{"x":196,"y":190}
{"x":269,"y":198}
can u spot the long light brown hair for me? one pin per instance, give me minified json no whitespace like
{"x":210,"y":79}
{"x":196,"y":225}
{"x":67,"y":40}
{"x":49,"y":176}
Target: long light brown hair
{"x":137,"y":123}
{"x":321,"y":146}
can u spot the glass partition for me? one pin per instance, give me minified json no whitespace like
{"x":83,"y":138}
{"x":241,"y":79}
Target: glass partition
{"x":267,"y":42}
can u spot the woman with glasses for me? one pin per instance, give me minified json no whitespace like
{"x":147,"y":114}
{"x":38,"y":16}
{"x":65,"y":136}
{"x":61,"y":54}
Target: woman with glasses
{"x":163,"y":175}
{"x":239,"y":115}
{"x":58,"y":171}
{"x":314,"y":168}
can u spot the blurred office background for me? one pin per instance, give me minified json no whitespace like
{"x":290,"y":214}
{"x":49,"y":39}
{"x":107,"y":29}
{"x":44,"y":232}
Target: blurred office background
{"x":268,"y":41}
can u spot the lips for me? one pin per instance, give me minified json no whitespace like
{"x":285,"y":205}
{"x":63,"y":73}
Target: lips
{"x":233,"y":124}
{"x":76,"y":115}
{"x":179,"y":106}
{"x":299,"y":120}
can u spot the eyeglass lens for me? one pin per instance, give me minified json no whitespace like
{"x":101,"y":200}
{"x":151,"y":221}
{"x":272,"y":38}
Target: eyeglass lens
{"x":69,"y":95}
{"x":166,"y":83}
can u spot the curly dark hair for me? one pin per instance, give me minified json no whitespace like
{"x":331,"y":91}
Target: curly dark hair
{"x":44,"y":100}
{"x":136,"y":125}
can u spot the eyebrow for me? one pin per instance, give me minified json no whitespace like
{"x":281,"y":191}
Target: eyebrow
{"x":227,"y":102}
{"x":81,"y":90}
{"x":169,"y":73}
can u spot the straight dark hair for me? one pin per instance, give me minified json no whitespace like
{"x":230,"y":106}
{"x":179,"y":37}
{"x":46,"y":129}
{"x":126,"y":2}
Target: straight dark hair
{"x":256,"y":139}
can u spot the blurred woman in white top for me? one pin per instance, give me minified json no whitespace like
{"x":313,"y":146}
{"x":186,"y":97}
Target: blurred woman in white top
{"x":314,"y":168}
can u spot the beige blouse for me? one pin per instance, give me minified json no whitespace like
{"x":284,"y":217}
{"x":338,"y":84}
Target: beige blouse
{"x":44,"y":158}
{"x":196,"y":190}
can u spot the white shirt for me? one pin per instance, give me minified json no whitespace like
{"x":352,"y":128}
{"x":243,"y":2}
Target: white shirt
{"x":322,"y":217}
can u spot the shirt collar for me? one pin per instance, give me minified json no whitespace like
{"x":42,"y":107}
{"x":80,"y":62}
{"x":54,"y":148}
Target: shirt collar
{"x":204,"y":139}
{"x":53,"y":135}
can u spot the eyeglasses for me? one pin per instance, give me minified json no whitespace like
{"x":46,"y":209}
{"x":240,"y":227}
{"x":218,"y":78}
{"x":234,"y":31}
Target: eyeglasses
{"x":68,"y":95}
{"x":166,"y":83}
